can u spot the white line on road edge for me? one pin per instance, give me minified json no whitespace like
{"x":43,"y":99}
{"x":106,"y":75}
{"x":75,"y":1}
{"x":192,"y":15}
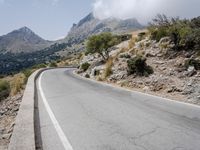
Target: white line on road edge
{"x":59,"y":130}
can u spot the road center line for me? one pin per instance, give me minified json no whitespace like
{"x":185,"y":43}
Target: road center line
{"x":59,"y":130}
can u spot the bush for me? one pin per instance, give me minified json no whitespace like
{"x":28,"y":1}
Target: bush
{"x":127,"y":56}
{"x":185,"y":34}
{"x":138,"y":66}
{"x":87,"y":76}
{"x":53,"y":64}
{"x":85,"y":66}
{"x":193,"y":62}
{"x":101,"y":44}
{"x":4,"y":89}
{"x":39,"y":66}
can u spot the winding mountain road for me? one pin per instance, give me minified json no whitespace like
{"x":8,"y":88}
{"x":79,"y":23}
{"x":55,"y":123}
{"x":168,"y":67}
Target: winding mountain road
{"x":79,"y":114}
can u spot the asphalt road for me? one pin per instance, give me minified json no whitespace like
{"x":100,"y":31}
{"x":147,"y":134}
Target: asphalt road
{"x":80,"y":114}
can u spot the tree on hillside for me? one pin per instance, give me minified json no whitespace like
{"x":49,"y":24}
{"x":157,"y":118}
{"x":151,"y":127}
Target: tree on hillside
{"x":101,"y":44}
{"x":183,"y":33}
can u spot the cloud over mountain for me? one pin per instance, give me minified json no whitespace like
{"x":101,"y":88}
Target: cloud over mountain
{"x":144,"y":10}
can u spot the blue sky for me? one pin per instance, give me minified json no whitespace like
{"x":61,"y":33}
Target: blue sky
{"x":50,"y":19}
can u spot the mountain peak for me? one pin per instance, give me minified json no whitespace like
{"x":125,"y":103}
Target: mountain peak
{"x":25,"y":30}
{"x":90,"y":25}
{"x":22,"y":40}
{"x":89,"y":17}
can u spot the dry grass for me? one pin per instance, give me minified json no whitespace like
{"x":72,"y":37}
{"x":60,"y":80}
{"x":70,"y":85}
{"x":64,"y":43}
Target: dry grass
{"x":99,"y":78}
{"x":132,"y":42}
{"x":108,"y":68}
{"x":17,"y":83}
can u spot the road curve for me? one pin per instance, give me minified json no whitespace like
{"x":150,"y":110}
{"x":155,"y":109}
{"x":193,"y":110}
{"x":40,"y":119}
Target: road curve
{"x":79,"y":114}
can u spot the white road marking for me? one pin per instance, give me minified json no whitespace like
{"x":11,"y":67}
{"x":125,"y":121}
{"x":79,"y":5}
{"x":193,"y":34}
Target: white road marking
{"x":59,"y":130}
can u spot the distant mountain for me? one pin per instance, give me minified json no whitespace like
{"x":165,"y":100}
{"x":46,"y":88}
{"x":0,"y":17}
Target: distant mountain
{"x":22,"y":40}
{"x":91,"y":25}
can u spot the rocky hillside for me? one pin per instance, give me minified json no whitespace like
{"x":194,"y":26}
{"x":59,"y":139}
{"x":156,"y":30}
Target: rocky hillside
{"x":22,"y":40}
{"x":91,"y":25}
{"x":172,"y":76}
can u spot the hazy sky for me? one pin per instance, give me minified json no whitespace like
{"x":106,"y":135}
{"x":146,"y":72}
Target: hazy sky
{"x":52,"y":19}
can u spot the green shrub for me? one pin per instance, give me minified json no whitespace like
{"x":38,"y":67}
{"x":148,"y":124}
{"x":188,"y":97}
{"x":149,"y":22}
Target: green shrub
{"x":101,"y":44}
{"x":85,"y":66}
{"x":39,"y":66}
{"x":193,"y":62}
{"x":185,"y":34}
{"x":87,"y":76}
{"x":4,"y":89}
{"x":138,"y":66}
{"x":158,"y":33}
{"x":125,"y":56}
{"x":53,"y":64}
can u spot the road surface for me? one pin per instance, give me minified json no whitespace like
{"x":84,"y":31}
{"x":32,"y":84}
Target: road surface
{"x":78,"y":114}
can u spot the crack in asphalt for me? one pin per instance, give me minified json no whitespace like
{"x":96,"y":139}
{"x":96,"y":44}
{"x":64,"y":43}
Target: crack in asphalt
{"x":143,"y":135}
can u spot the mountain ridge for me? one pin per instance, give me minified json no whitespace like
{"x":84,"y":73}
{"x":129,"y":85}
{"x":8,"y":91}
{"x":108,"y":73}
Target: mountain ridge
{"x":90,"y":25}
{"x":22,"y":40}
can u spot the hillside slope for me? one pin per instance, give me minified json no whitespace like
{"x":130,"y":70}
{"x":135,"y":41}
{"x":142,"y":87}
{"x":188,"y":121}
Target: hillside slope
{"x":22,"y":40}
{"x":172,"y":76}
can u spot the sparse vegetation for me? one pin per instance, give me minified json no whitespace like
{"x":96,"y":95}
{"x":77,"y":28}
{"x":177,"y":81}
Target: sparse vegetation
{"x":193,"y":62}
{"x":4,"y":89}
{"x":108,"y":68}
{"x":53,"y":64}
{"x":185,"y":34}
{"x":87,"y":76}
{"x":27,"y":73}
{"x":141,"y":36}
{"x":127,"y":56}
{"x":132,"y":42}
{"x":138,"y":66}
{"x":85,"y":66}
{"x":101,"y":44}
{"x":17,"y":83}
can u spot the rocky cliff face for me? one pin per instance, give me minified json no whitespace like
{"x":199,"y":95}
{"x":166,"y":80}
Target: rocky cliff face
{"x":22,"y":40}
{"x":91,"y":25}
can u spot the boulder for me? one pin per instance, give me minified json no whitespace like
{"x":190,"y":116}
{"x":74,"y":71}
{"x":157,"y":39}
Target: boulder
{"x":190,"y":71}
{"x":165,"y":40}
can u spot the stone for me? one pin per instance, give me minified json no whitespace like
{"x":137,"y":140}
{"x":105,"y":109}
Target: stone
{"x":165,"y":40}
{"x":174,"y":89}
{"x":146,"y":88}
{"x":6,"y":136}
{"x":190,"y":71}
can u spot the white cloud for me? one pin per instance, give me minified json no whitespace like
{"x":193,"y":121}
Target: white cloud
{"x":144,"y":10}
